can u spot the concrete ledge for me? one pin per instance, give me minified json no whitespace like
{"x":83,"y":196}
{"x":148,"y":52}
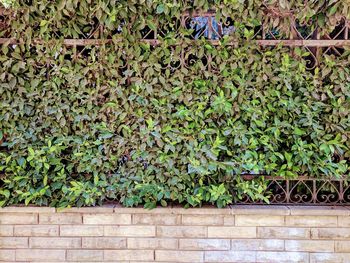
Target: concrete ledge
{"x":206,"y":210}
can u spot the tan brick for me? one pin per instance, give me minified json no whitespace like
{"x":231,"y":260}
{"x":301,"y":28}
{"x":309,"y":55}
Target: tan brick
{"x":6,"y":230}
{"x":230,"y":256}
{"x":204,"y":244}
{"x":27,"y":209}
{"x":156,"y":219}
{"x":330,"y":233}
{"x":7,"y":255}
{"x":312,"y":221}
{"x":259,"y":210}
{"x":152,"y":243}
{"x":18,"y":219}
{"x":40,"y":255}
{"x":13,"y":242}
{"x":283,"y":256}
{"x":80,"y":230}
{"x":85,"y":255}
{"x":205,"y":210}
{"x":119,"y":209}
{"x":342,"y":246}
{"x":257,"y":244}
{"x":343,"y":221}
{"x":202,"y":220}
{"x":60,"y":218}
{"x":229,"y":220}
{"x":55,"y":242}
{"x":318,"y":211}
{"x":259,"y":220}
{"x":179,"y":256}
{"x":329,"y":257}
{"x":284,"y":232}
{"x":130,"y":231}
{"x":231,"y":232}
{"x":104,"y":242}
{"x":130,"y":255}
{"x":309,"y":245}
{"x":36,"y":230}
{"x":107,"y":219}
{"x":181,"y":231}
{"x":88,"y":210}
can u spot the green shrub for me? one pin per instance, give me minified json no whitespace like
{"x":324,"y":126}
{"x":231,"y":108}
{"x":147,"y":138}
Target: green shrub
{"x":127,"y":122}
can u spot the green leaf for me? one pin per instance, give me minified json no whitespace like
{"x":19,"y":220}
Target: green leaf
{"x":333,"y":10}
{"x":43,"y":23}
{"x":45,"y":180}
{"x":160,"y":9}
{"x":151,"y":25}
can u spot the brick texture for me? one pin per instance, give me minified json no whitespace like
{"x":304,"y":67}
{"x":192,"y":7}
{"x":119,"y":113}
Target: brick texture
{"x":60,"y":218}
{"x":232,"y":232}
{"x":40,"y":255}
{"x":55,"y":242}
{"x":179,"y":256}
{"x":310,"y":245}
{"x":85,"y":255}
{"x":271,"y":257}
{"x":107,"y":219}
{"x":13,"y":242}
{"x":18,"y":218}
{"x":116,"y":234}
{"x":152,"y":243}
{"x":312,"y":221}
{"x":259,"y":220}
{"x":202,"y":220}
{"x":156,"y":219}
{"x":6,"y":230}
{"x":131,"y":255}
{"x":36,"y":230}
{"x":257,"y":244}
{"x":104,"y":242}
{"x":130,"y":231}
{"x":230,"y":256}
{"x":284,"y":232}
{"x":182,"y":231}
{"x":78,"y":230}
{"x":204,"y":244}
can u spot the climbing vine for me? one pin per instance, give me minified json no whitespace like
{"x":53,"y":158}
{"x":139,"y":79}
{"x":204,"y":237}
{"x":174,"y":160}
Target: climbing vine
{"x":160,"y":114}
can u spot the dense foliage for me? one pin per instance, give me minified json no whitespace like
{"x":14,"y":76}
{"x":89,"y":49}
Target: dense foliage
{"x":133,"y":122}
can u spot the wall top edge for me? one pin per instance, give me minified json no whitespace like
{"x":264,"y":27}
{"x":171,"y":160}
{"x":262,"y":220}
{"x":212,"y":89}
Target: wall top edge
{"x":206,"y":210}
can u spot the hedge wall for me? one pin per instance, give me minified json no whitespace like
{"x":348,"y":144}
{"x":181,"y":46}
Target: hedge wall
{"x":179,"y":121}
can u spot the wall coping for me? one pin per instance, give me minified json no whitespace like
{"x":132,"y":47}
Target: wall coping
{"x":230,"y":210}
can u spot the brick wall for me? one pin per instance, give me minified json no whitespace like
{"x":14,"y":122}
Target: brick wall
{"x":115,"y":234}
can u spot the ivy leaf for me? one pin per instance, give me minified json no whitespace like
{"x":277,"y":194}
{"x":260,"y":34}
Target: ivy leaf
{"x":151,"y":25}
{"x":298,"y":131}
{"x":333,"y":10}
{"x":43,"y":23}
{"x":160,"y":9}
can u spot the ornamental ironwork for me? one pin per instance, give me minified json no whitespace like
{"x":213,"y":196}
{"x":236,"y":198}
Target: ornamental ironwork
{"x":302,"y":191}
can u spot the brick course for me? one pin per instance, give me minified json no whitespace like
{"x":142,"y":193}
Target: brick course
{"x":116,"y":234}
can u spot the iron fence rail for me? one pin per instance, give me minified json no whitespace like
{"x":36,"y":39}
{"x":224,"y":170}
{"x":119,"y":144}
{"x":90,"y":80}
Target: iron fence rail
{"x":303,"y":191}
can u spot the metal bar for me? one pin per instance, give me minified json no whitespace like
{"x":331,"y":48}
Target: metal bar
{"x":308,"y":42}
{"x":269,"y":177}
{"x":155,"y":42}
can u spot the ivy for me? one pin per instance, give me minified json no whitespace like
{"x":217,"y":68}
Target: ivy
{"x":176,"y":122}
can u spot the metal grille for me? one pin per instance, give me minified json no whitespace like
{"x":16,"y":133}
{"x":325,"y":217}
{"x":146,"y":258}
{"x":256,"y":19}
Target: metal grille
{"x":303,"y":191}
{"x":204,"y":25}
